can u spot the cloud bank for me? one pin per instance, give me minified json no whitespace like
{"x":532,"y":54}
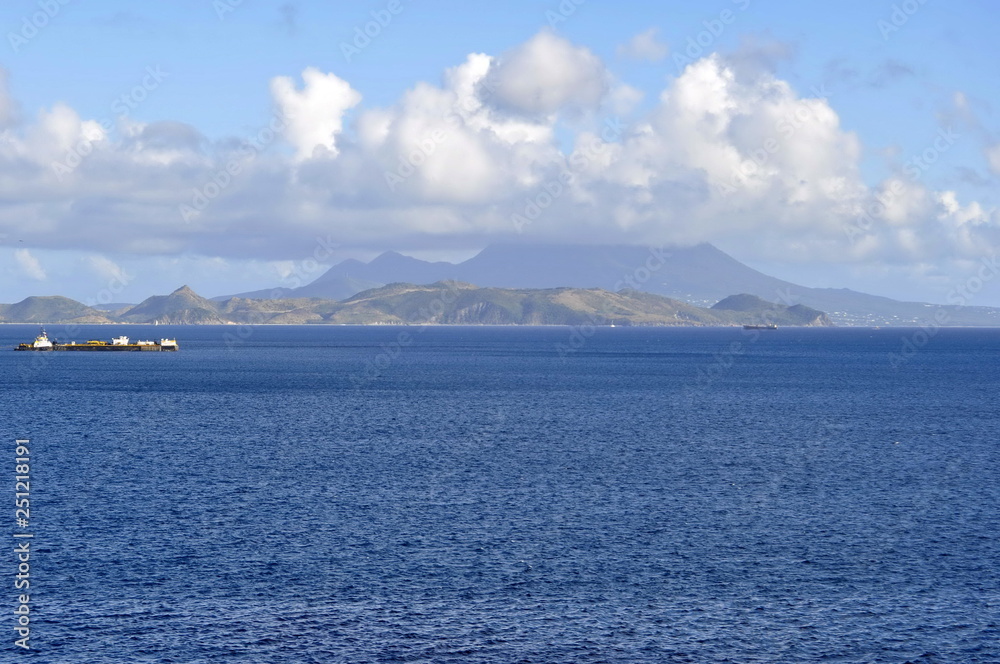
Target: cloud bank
{"x":523,"y":144}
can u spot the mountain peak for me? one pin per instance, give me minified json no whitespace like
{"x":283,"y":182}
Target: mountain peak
{"x":181,"y":306}
{"x":392,"y":258}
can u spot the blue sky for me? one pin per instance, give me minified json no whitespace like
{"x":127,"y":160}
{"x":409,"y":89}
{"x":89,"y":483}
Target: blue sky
{"x":897,"y":102}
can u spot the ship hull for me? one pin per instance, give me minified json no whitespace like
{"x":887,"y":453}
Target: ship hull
{"x":118,"y":344}
{"x":113,"y":348}
{"x":94,"y":348}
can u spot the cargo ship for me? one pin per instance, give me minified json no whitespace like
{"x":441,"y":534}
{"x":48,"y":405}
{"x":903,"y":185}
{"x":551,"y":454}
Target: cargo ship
{"x":769,"y":326}
{"x":42,"y":343}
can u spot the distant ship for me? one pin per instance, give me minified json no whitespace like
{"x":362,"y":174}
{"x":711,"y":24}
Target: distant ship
{"x":769,"y":326}
{"x":42,"y":342}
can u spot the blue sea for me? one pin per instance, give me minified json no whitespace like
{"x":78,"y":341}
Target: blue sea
{"x":508,"y":496}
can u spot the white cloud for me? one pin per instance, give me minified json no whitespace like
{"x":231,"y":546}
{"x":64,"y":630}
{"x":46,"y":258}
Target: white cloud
{"x":624,"y":98}
{"x":723,"y":156}
{"x":727,"y":154}
{"x":60,"y":132}
{"x":903,"y":201}
{"x":29,"y":265}
{"x":645,"y":46}
{"x":314,"y":115}
{"x":547,"y":74}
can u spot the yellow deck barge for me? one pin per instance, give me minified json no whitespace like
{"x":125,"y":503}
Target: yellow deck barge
{"x":117,"y":344}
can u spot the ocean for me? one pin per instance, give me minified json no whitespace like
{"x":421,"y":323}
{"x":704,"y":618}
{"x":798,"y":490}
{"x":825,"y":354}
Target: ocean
{"x":508,"y":495}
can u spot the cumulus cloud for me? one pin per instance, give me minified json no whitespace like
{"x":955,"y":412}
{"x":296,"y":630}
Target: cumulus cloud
{"x":723,"y":155}
{"x":28,"y":265}
{"x":547,"y":74}
{"x":515,"y":145}
{"x":315,"y":114}
{"x":645,"y":46}
{"x":60,"y":131}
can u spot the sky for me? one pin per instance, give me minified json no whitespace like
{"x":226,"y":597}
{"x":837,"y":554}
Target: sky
{"x":232,"y":145}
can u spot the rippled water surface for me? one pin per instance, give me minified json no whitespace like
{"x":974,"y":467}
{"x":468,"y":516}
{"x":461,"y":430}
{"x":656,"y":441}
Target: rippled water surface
{"x":473,"y":495}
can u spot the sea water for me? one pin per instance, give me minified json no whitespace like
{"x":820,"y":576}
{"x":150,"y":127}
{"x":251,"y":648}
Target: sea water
{"x":503,"y":495}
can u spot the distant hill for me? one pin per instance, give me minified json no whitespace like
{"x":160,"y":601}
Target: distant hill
{"x":183,"y":307}
{"x":442,"y":303}
{"x":290,"y":312}
{"x":113,"y":306}
{"x":457,"y":303}
{"x":797,"y":314}
{"x":700,"y":275}
{"x":51,"y":309}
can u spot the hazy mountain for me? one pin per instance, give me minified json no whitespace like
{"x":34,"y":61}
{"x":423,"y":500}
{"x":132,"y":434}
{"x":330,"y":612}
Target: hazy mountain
{"x":459,"y":303}
{"x":50,"y":309}
{"x":113,"y":306}
{"x":287,"y":311}
{"x":350,"y":277}
{"x":692,"y":273}
{"x":445,"y":302}
{"x":183,"y":306}
{"x":699,"y":275}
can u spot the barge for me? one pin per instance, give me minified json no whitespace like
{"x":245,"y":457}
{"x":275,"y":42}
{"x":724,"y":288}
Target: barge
{"x":43,"y":343}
